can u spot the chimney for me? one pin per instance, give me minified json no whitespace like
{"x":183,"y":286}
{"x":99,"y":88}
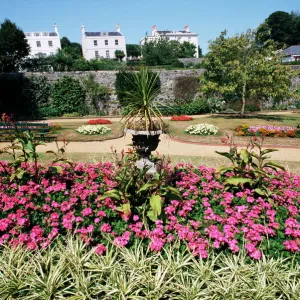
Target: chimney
{"x":186,"y":28}
{"x":118,"y":28}
{"x":56,"y":29}
{"x":82,"y":29}
{"x":154,"y":29}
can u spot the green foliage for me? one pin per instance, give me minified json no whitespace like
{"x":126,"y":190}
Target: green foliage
{"x":196,"y":107}
{"x":281,"y":27}
{"x":124,"y":83}
{"x":72,"y":49}
{"x":13,"y":47}
{"x":250,"y":167}
{"x":139,"y":192}
{"x":68,"y":96}
{"x":119,"y":54}
{"x":200,"y":53}
{"x":39,"y":63}
{"x":95,"y":93}
{"x":164,"y":52}
{"x":237,"y":69}
{"x":140,"y":98}
{"x":187,"y":50}
{"x":133,"y":50}
{"x":37,"y":91}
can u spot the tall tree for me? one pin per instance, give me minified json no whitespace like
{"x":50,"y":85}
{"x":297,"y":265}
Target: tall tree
{"x":187,"y":50}
{"x":72,"y":49}
{"x":280,"y":27}
{"x":133,"y":50}
{"x":238,"y":69}
{"x":13,"y":47}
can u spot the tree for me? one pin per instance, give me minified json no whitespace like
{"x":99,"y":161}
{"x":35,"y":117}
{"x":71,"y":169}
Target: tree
{"x":187,"y":50}
{"x":119,"y":54}
{"x":237,"y":69}
{"x":280,"y":27}
{"x":160,"y":52}
{"x":73,"y":50}
{"x":13,"y":47}
{"x":133,"y":50}
{"x":200,"y":53}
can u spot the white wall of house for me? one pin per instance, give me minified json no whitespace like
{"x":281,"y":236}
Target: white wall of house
{"x":102,"y":44}
{"x":173,"y":35}
{"x":43,"y":42}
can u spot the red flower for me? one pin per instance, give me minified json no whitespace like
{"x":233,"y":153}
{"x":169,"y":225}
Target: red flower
{"x":182,"y":118}
{"x":99,"y":121}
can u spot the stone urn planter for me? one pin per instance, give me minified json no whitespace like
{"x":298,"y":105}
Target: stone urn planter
{"x":144,"y":142}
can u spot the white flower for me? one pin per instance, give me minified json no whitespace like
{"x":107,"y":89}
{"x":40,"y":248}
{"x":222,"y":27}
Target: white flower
{"x":202,"y":129}
{"x":93,"y":129}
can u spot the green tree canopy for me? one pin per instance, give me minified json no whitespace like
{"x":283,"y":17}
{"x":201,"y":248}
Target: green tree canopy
{"x":133,"y":50}
{"x":74,"y":50}
{"x":13,"y":47}
{"x":281,"y":27}
{"x":119,"y":54}
{"x":166,"y":52}
{"x":237,"y":69}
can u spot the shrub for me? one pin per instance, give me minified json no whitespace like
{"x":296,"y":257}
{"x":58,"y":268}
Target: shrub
{"x":202,"y":129}
{"x":98,"y":121}
{"x":125,"y":83}
{"x":196,"y":107}
{"x":182,"y":118}
{"x":49,"y":111}
{"x":216,"y":105}
{"x":68,"y":96}
{"x":93,"y":129}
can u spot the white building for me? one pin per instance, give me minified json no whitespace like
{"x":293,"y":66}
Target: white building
{"x":46,"y":43}
{"x":102,"y":43}
{"x":173,"y":35}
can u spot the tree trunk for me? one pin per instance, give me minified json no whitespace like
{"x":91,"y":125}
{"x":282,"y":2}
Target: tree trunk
{"x":243,"y":98}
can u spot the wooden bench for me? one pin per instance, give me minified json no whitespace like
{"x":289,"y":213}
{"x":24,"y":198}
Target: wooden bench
{"x":40,"y":129}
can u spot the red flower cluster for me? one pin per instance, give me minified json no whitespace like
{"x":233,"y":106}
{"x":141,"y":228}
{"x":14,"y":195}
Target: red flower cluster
{"x":182,"y":118}
{"x":209,"y":216}
{"x":99,"y":122}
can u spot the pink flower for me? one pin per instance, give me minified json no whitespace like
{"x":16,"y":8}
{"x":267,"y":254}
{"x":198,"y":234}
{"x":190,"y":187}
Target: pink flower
{"x":100,"y":249}
{"x":105,"y":228}
{"x":87,"y":212}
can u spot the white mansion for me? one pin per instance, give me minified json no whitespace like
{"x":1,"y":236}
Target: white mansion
{"x":179,"y":35}
{"x":46,"y":43}
{"x":102,"y":43}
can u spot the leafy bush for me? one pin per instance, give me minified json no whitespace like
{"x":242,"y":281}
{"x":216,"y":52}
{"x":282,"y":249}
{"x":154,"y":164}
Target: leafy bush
{"x":93,"y":129}
{"x":68,"y":96}
{"x":202,"y":129}
{"x":49,"y":112}
{"x":98,"y":121}
{"x":252,"y":107}
{"x":182,"y":118}
{"x":125,"y":84}
{"x":216,"y":105}
{"x":197,"y":107}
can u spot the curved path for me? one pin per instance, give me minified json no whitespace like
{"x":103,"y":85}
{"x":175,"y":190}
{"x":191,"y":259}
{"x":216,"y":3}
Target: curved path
{"x":167,"y":146}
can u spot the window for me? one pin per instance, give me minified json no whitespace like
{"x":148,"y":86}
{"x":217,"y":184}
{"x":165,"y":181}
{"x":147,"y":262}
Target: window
{"x":97,"y":54}
{"x":116,"y":42}
{"x":38,"y":43}
{"x":50,"y":43}
{"x":36,"y":34}
{"x":106,"y":42}
{"x":107,"y":53}
{"x":95,"y":43}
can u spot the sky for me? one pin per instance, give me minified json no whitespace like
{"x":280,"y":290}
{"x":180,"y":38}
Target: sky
{"x":136,"y":17}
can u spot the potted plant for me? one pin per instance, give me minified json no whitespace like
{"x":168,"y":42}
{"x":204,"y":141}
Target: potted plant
{"x":143,"y":118}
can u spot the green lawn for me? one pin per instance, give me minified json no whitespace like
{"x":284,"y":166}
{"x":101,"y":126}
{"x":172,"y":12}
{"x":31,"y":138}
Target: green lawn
{"x":227,"y":124}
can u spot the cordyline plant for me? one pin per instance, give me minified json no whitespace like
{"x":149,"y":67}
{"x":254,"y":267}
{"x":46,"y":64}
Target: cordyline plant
{"x":142,"y":112}
{"x":249,"y":167}
{"x":137,"y":191}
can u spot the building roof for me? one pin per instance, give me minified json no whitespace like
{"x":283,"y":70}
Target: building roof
{"x":293,"y":50}
{"x":103,"y":33}
{"x":42,"y":33}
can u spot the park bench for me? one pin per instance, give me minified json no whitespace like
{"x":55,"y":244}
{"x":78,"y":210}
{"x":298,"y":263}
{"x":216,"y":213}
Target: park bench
{"x":7,"y":129}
